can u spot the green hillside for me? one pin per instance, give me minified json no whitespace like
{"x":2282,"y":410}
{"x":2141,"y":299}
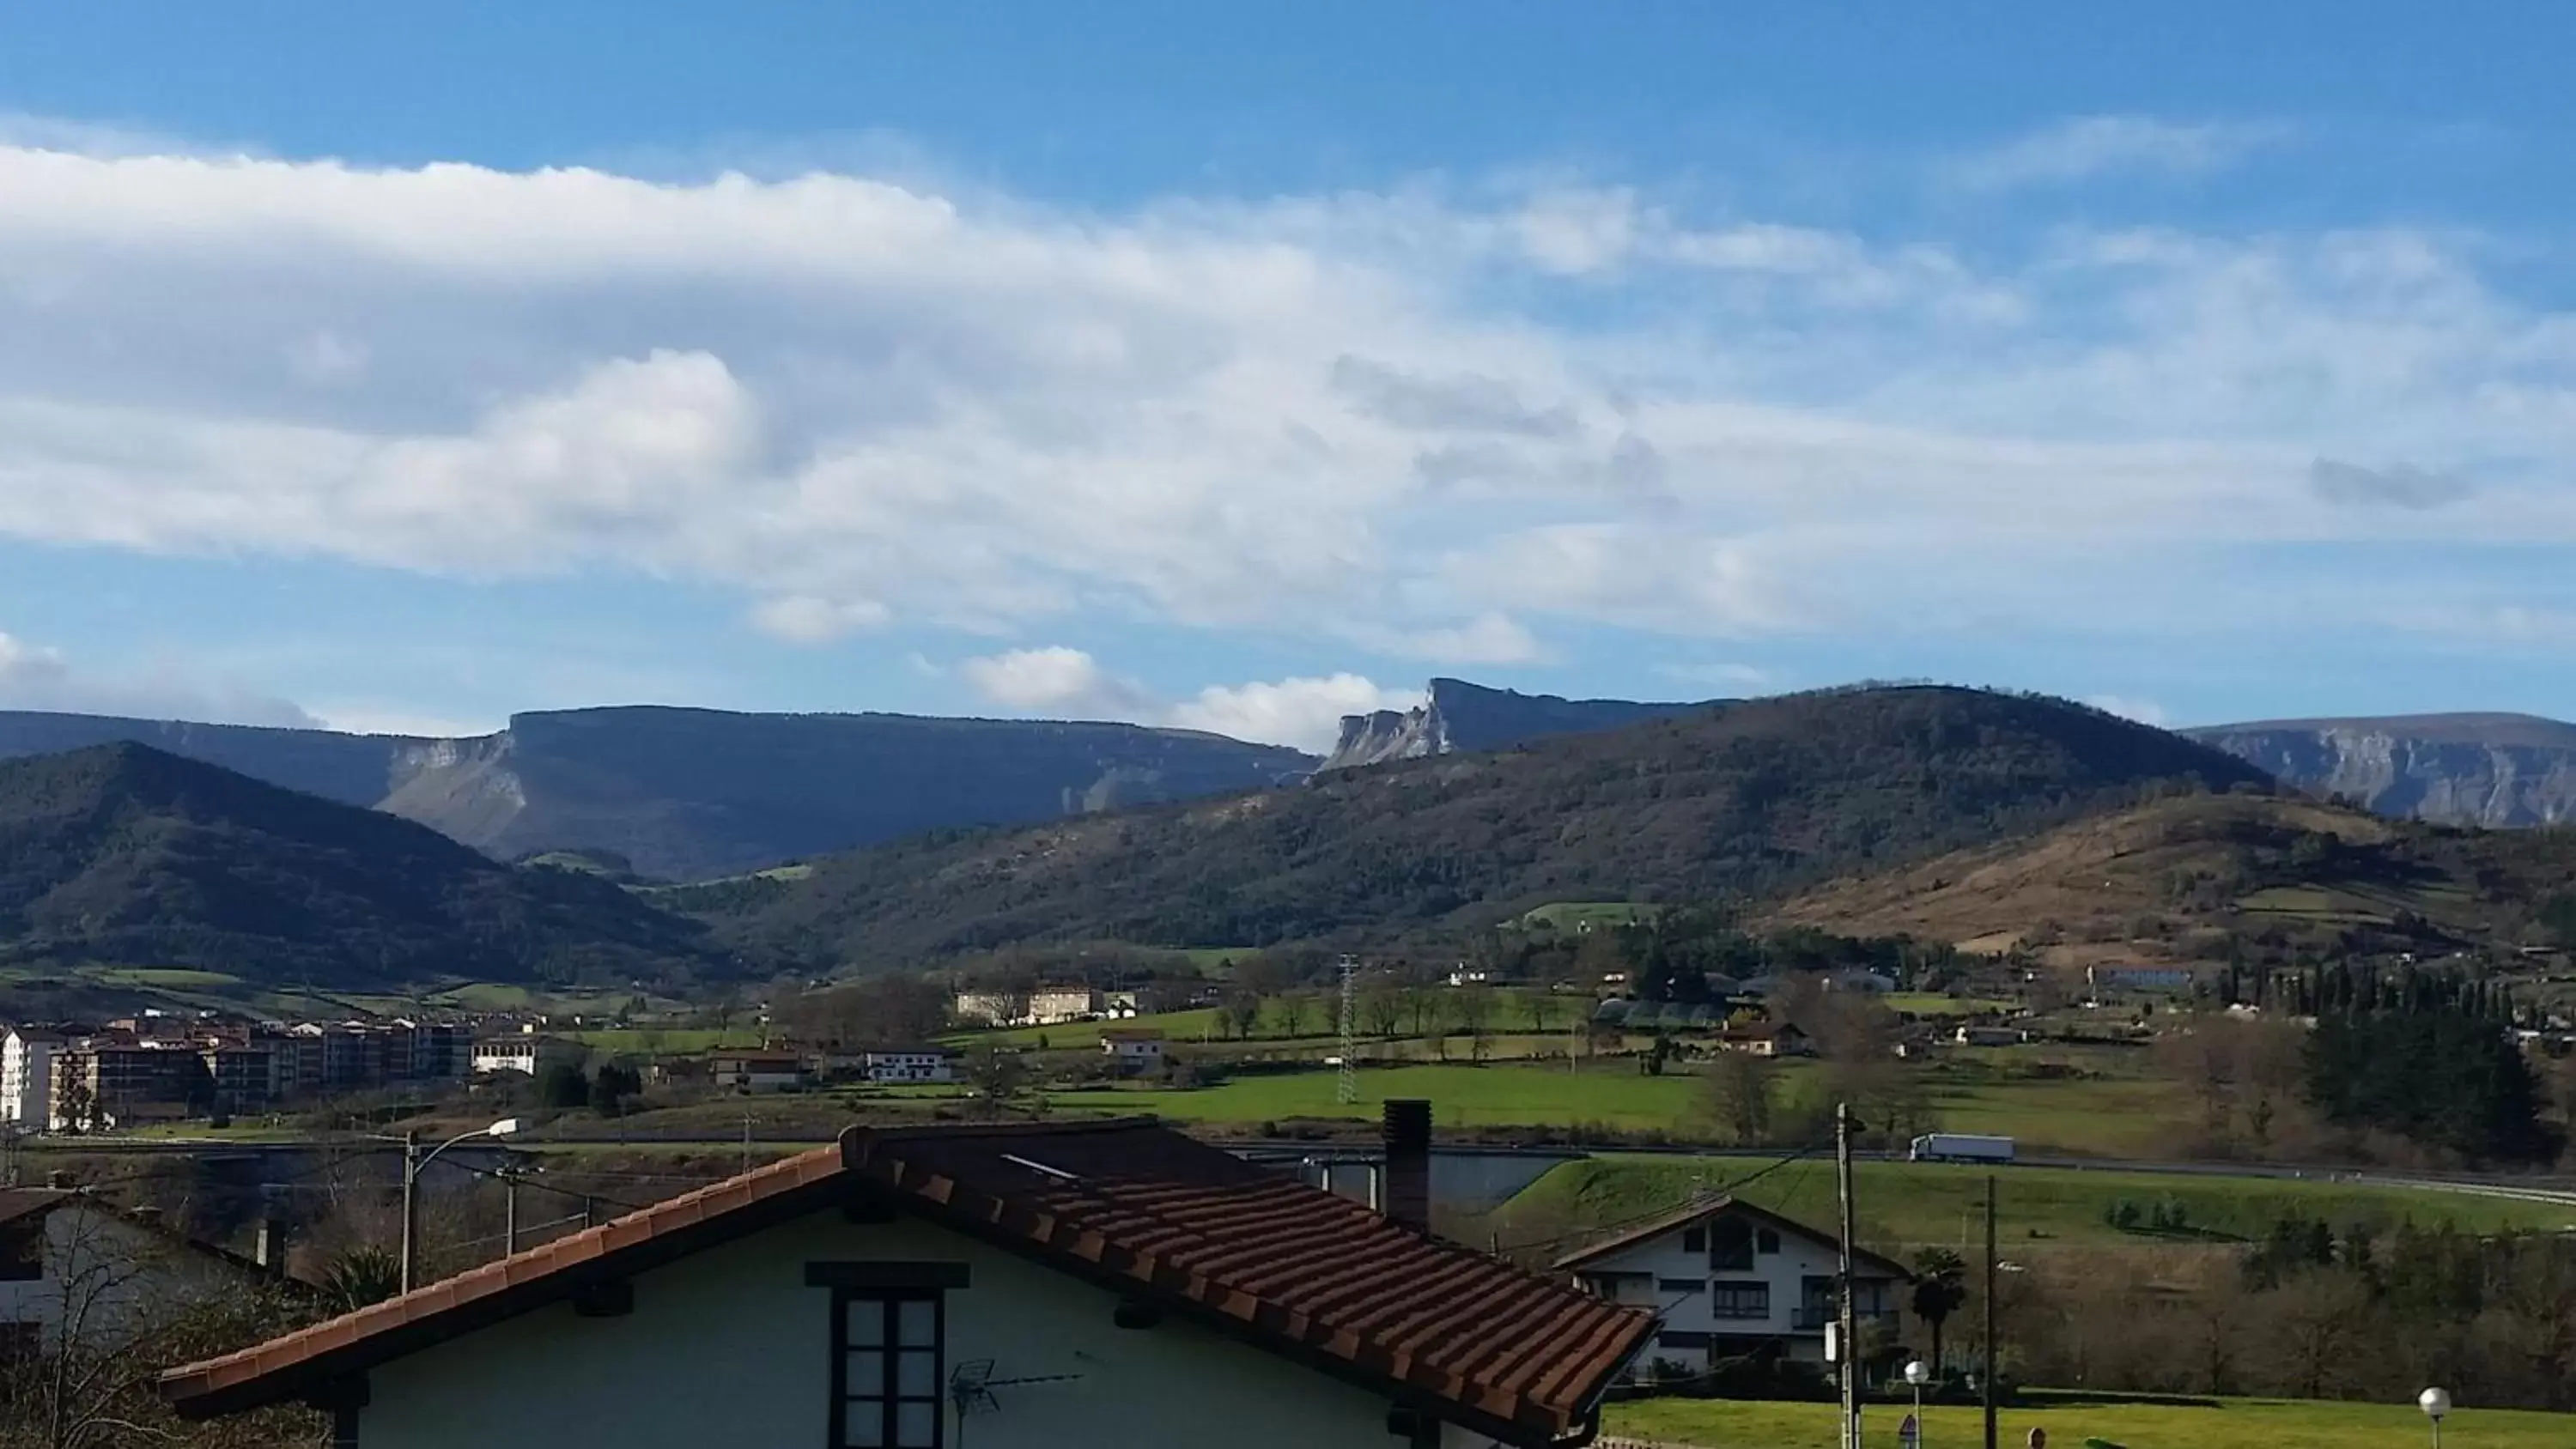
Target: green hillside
{"x":125,"y":854}
{"x":1746,"y":800}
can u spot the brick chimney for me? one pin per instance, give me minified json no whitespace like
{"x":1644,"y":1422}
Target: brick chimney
{"x":1407,"y":1140}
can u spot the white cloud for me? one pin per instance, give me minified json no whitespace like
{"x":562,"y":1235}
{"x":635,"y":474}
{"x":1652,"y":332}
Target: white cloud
{"x":2144,"y":711}
{"x":805,"y":619}
{"x":1062,"y":682}
{"x":37,"y":678}
{"x":1303,"y":713}
{"x":2089,"y":146}
{"x":1056,"y":681}
{"x":1435,"y":427}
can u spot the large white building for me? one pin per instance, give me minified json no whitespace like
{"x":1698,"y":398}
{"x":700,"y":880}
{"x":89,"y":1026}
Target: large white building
{"x":1729,"y":1278}
{"x":27,"y":1077}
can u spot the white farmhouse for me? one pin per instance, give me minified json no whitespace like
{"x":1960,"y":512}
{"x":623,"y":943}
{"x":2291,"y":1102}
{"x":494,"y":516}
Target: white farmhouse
{"x":1136,"y":1050}
{"x":526,"y":1052}
{"x":1011,"y":1286}
{"x":909,"y":1064}
{"x":70,"y":1262}
{"x":1729,"y":1279}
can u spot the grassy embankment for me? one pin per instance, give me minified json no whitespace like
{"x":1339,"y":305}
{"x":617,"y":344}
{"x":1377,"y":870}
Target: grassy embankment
{"x":2196,"y":1424}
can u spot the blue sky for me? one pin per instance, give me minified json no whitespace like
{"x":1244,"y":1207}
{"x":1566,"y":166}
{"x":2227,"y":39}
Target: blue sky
{"x":1234,"y":366}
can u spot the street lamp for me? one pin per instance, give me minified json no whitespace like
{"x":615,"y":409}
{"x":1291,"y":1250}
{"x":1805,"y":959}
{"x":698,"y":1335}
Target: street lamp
{"x":2435,"y":1403}
{"x":1918,"y":1373}
{"x":414,"y":1162}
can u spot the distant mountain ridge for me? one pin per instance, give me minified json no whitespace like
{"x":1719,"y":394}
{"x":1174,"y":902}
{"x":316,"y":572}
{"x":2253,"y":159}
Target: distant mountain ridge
{"x":2491,"y":770}
{"x":1459,"y":717}
{"x":122,"y":853}
{"x":1734,"y":803}
{"x":693,"y":793}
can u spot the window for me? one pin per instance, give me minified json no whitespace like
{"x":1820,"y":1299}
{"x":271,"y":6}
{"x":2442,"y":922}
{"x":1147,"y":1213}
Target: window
{"x":1730,"y":1245}
{"x":1739,"y":1300}
{"x":1678,"y":1285}
{"x":1694,"y":1240}
{"x":22,"y":1249}
{"x":887,"y":1377}
{"x":1767,"y":1241}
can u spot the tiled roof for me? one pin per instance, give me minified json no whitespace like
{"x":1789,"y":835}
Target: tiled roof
{"x":1163,"y":1217}
{"x":1701,"y":1210}
{"x":17,"y":1202}
{"x":1129,"y":1206}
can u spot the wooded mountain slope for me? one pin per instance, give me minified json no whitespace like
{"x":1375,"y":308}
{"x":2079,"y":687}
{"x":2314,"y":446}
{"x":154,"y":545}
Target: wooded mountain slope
{"x":1746,"y":799}
{"x":123,"y":853}
{"x":2198,"y":879}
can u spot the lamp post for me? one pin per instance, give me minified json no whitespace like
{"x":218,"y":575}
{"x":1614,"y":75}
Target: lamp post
{"x":1918,"y":1373}
{"x":2436,"y":1403}
{"x":414,"y":1163}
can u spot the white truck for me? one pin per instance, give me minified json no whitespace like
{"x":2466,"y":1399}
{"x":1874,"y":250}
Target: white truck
{"x":1961,"y":1147}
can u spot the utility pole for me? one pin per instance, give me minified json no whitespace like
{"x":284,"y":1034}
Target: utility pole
{"x":746,"y":1142}
{"x":1346,"y":1087}
{"x":1986,"y":1377}
{"x":509,"y":1214}
{"x":411,"y":1204}
{"x":1850,"y":1331}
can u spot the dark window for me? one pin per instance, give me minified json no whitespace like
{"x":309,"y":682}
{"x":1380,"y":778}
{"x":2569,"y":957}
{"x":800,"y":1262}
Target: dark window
{"x":1739,"y":1300}
{"x":1678,"y":1285}
{"x":1694,"y":1240}
{"x":1767,"y":1241}
{"x":1730,"y":1245}
{"x":22,"y":1249}
{"x":887,"y":1374}
{"x":21,"y":1343}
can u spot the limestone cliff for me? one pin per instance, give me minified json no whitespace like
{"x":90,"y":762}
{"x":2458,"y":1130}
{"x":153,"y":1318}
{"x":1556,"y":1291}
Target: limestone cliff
{"x":2457,"y":769}
{"x":1458,"y":716}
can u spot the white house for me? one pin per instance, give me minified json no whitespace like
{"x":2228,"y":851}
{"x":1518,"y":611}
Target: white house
{"x":27,"y":1077}
{"x":1042,"y":1006}
{"x":67,"y":1258}
{"x":1134,"y":1049}
{"x":1729,"y":1278}
{"x":526,"y":1052}
{"x":909,"y":1064}
{"x":1009,"y":1286}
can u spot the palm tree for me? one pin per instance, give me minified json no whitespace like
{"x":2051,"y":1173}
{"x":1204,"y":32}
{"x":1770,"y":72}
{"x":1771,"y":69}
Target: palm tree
{"x":360,"y":1276}
{"x":1940,"y":1287}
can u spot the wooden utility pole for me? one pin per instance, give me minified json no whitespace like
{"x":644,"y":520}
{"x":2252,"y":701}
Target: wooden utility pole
{"x":1986,"y":1378}
{"x":1850,"y":1328}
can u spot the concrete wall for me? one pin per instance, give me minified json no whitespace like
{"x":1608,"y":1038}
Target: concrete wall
{"x":730,"y":1347}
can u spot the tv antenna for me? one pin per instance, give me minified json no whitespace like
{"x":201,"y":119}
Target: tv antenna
{"x":971,"y":1385}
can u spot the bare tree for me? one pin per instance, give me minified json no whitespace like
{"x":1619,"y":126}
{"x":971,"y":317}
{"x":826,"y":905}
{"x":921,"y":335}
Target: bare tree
{"x":118,"y":1306}
{"x":1382,"y":1007}
{"x":1475,"y":1009}
{"x":1741,"y":1093}
{"x":1541,"y":1005}
{"x":1241,"y":1012}
{"x":1292,"y":1012}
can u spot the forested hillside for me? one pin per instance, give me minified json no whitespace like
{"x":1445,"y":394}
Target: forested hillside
{"x":125,"y":854}
{"x":1751,"y":800}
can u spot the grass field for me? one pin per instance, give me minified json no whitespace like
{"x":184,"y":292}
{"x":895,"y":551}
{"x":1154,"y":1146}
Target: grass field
{"x":1907,"y":1204}
{"x":1614,"y":1093}
{"x":2211,"y":1424}
{"x":660,"y":1041}
{"x":1924,"y":1003}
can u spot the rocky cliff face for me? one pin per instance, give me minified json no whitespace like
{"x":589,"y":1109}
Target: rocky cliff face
{"x":686,"y":794}
{"x":2490,"y":770}
{"x":1458,"y":716}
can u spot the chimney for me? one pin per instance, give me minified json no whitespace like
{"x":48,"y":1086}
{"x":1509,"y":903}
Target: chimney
{"x":1407,"y":1138}
{"x":268,"y":1247}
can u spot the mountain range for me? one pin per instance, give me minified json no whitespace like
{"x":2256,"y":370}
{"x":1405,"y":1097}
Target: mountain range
{"x":683,"y":794}
{"x":124,"y":854}
{"x":2494,"y":770}
{"x":1739,"y":801}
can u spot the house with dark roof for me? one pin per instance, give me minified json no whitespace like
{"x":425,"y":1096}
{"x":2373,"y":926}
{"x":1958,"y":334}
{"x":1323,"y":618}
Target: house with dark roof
{"x":1726,"y":1279}
{"x":78,"y":1265}
{"x":1000,"y":1286}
